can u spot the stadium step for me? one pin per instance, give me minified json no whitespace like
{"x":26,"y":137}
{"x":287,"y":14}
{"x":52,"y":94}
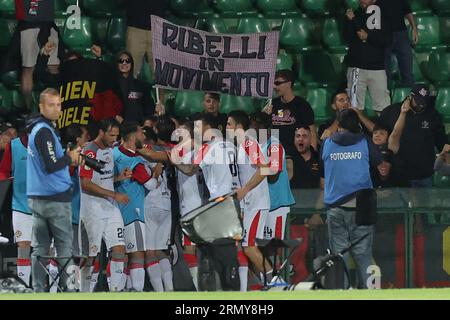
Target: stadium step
{"x":233,"y":8}
{"x":278,"y":8}
{"x":191,"y":8}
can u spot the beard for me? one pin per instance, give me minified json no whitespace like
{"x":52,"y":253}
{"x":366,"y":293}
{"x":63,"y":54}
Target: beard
{"x":139,"y":144}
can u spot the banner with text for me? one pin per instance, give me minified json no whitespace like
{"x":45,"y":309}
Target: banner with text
{"x":190,"y":59}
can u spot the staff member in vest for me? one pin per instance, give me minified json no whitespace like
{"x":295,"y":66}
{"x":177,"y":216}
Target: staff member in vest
{"x":49,"y":186}
{"x":346,"y":158}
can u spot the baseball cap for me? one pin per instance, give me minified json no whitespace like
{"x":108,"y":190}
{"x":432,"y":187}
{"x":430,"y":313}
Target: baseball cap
{"x":420,"y":93}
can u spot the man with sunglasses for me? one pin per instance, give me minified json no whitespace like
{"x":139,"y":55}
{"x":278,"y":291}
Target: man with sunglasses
{"x":289,"y":111}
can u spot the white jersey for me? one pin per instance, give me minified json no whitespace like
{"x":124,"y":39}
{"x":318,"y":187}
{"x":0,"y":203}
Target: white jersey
{"x":94,"y":205}
{"x":217,"y":159}
{"x":160,"y":196}
{"x":191,"y":189}
{"x":249,"y":157}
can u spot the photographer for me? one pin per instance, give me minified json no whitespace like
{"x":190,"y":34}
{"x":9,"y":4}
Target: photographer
{"x":49,"y":186}
{"x":346,"y":159}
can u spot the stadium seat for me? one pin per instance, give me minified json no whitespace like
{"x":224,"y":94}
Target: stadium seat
{"x":79,"y":39}
{"x":7,"y":8}
{"x":298,"y":35}
{"x":7,"y":27}
{"x":399,"y":94}
{"x":417,"y":73}
{"x":319,"y":99}
{"x":252,"y":25}
{"x":188,"y":102}
{"x":441,"y":6}
{"x":215,"y":25}
{"x":101,"y":8}
{"x":429,"y":33}
{"x":442,"y":104}
{"x":189,"y":8}
{"x":332,"y":36}
{"x":229,"y":103}
{"x":146,"y":73}
{"x":438,"y":67}
{"x":353,"y":4}
{"x":299,"y":89}
{"x":444,"y":24}
{"x":284,"y":61}
{"x":320,"y":7}
{"x":60,"y":8}
{"x":232,"y":8}
{"x":11,"y":79}
{"x":317,"y":69}
{"x":420,"y":6}
{"x":440,"y":181}
{"x":6,"y":101}
{"x":116,"y":37}
{"x":100,"y":30}
{"x":278,"y":8}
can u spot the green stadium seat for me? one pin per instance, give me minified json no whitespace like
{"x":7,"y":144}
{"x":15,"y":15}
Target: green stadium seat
{"x":417,"y":73}
{"x":188,"y":103}
{"x":229,"y":103}
{"x":420,"y":6}
{"x":7,"y":27}
{"x":11,"y":79}
{"x":215,"y":25}
{"x":232,"y":8}
{"x":444,"y":23}
{"x":252,"y":25}
{"x":320,"y":7}
{"x":146,"y":73}
{"x":116,"y":37}
{"x":317,"y":70}
{"x":79,"y":39}
{"x":332,"y":36}
{"x":101,"y":8}
{"x":441,"y":6}
{"x":442,"y":104}
{"x":440,"y":181}
{"x":60,"y":8}
{"x":299,"y":35}
{"x":278,"y":8}
{"x":429,"y":33}
{"x":6,"y":99}
{"x":284,"y":61}
{"x":353,"y":4}
{"x":189,"y":8}
{"x":7,"y":8}
{"x":17,"y":99}
{"x":438,"y":67}
{"x":319,"y":99}
{"x":399,"y":94}
{"x":100,"y":30}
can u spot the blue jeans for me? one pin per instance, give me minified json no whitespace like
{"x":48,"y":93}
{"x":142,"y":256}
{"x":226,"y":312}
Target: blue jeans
{"x":50,"y":220}
{"x":342,"y":232}
{"x":401,"y":47}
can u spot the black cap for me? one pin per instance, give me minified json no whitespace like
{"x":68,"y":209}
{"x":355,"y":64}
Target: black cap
{"x":420,"y":93}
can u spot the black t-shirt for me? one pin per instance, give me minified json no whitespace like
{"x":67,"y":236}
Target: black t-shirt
{"x":306,"y":173}
{"x":286,"y":117}
{"x":139,"y":11}
{"x":396,"y":10}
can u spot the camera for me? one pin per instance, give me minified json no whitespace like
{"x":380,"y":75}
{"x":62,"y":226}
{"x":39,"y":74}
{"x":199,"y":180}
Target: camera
{"x":94,"y":164}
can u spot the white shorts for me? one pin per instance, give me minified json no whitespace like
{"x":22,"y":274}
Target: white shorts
{"x":276,"y":223}
{"x":135,"y":237}
{"x":29,"y":47}
{"x":158,"y":223}
{"x":93,"y":228}
{"x":22,"y":226}
{"x":254,"y":223}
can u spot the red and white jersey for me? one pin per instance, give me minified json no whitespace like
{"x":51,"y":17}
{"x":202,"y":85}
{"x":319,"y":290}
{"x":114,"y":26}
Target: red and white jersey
{"x":217,"y":159}
{"x":191,"y":189}
{"x":90,"y":204}
{"x":160,"y":196}
{"x":250,"y":156}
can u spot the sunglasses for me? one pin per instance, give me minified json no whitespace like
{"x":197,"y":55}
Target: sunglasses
{"x":124,"y":61}
{"x":277,"y":83}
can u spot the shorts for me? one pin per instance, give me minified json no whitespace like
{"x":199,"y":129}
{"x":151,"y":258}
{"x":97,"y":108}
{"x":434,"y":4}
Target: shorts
{"x":75,"y":241}
{"x":254,"y":223}
{"x":158,"y":223}
{"x":93,"y":228}
{"x":29,"y":47}
{"x":22,"y":226}
{"x":135,"y":237}
{"x":276,"y":223}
